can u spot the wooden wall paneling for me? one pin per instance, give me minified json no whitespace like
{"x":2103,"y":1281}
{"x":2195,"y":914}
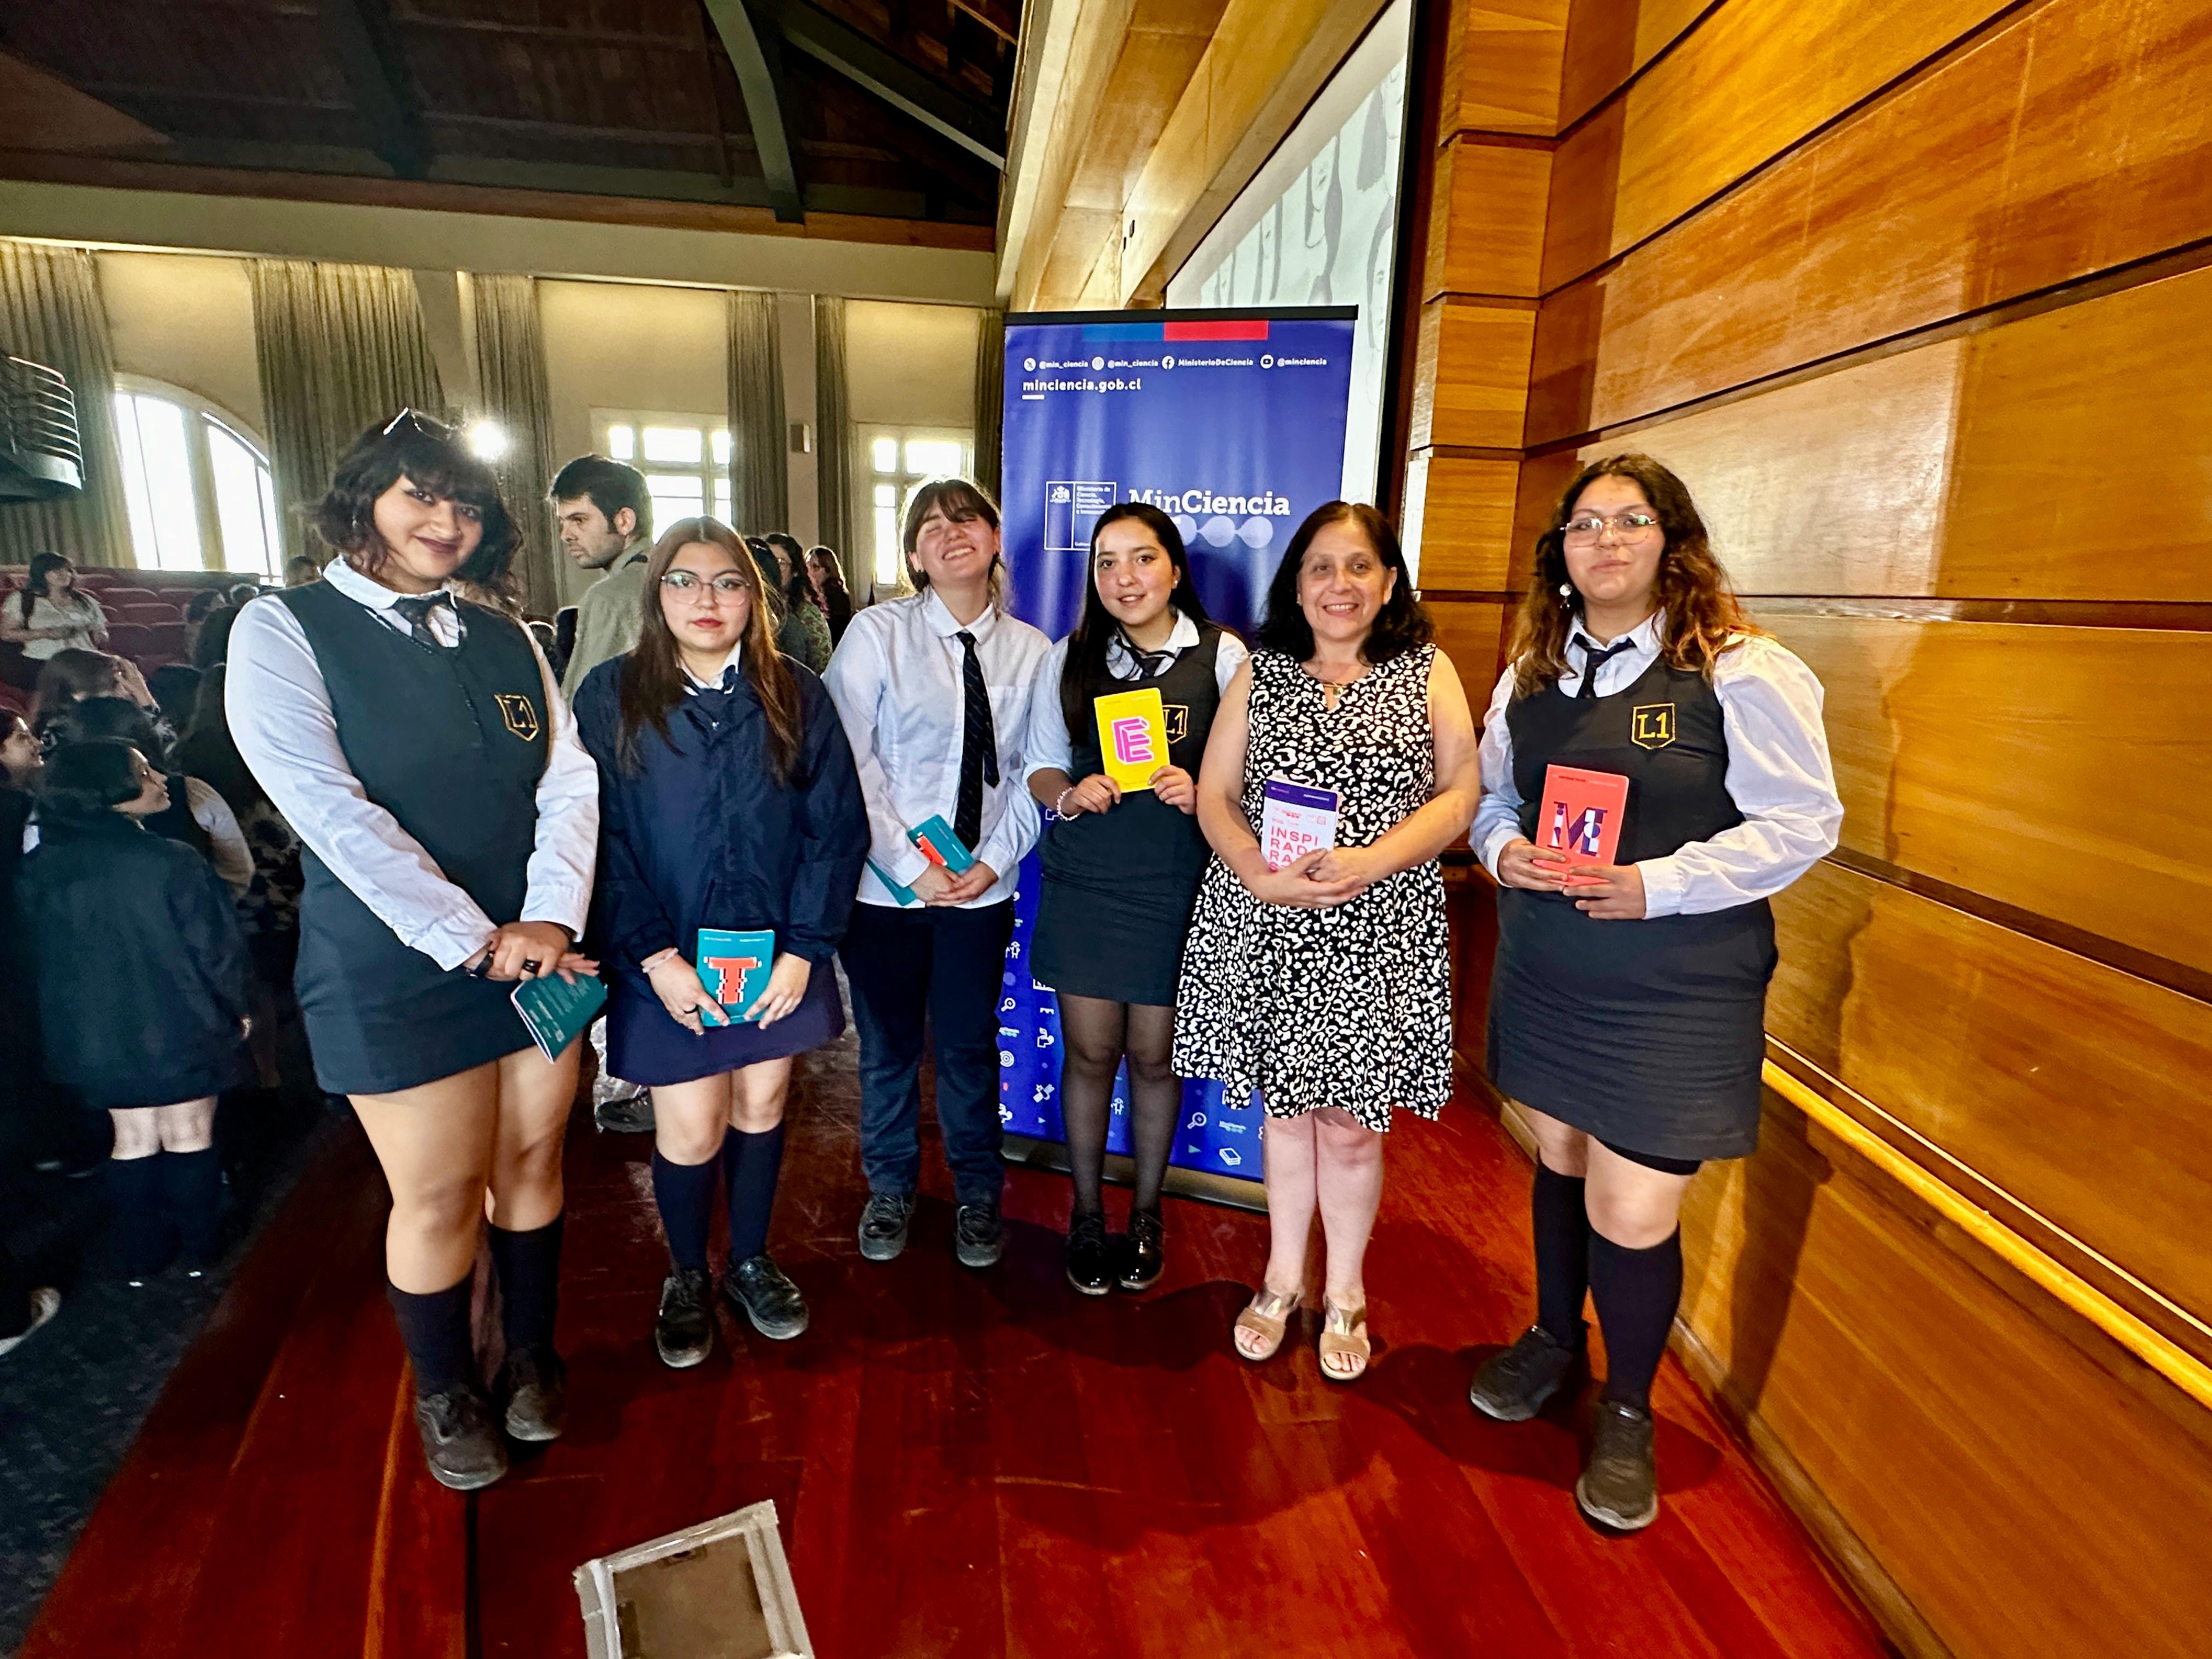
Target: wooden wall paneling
{"x":2068,"y":142}
{"x":1459,"y":519}
{"x":2057,"y":769}
{"x":2011,"y":1476}
{"x":1502,"y":61}
{"x":1608,"y":41}
{"x":1470,"y":632}
{"x":1471,"y":375}
{"x":1486,"y":218}
{"x":2076,"y":1089}
{"x":1686,"y":130}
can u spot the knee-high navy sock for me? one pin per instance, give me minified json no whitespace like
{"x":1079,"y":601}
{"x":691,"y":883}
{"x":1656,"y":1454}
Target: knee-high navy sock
{"x":193,"y":1181}
{"x":1562,"y":1229}
{"x":529,"y":1266}
{"x":750,"y":1164}
{"x":685,"y":1195}
{"x":1636,"y":1292}
{"x":134,"y":1188}
{"x":435,"y":1328}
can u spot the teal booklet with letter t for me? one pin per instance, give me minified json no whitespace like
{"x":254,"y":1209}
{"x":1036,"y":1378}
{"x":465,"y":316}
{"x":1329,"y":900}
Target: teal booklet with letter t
{"x":734,"y":965}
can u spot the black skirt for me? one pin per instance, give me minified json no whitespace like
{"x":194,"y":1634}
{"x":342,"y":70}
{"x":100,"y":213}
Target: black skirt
{"x":382,"y":1016}
{"x":1647,"y":1035}
{"x":1116,"y":947}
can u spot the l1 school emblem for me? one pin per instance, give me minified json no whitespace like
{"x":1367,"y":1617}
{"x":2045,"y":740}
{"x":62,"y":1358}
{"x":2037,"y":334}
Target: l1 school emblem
{"x":519,"y":714}
{"x":1651,"y":726}
{"x":1178,"y":718}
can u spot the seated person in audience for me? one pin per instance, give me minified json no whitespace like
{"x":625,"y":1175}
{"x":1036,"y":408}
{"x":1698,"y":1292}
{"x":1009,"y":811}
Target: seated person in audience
{"x":212,"y":645}
{"x":241,"y":595}
{"x":175,"y":686}
{"x":202,"y":605}
{"x":142,"y":977}
{"x":300,"y":570}
{"x":49,"y":614}
{"x":23,"y":1307}
{"x":197,"y":814}
{"x":70,"y":677}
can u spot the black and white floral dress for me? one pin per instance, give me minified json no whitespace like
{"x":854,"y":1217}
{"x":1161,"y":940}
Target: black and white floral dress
{"x":1349,"y":1007}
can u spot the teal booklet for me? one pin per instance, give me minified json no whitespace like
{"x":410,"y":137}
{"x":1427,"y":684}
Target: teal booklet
{"x":554,"y":1011}
{"x":734,"y":967}
{"x":934,"y":837}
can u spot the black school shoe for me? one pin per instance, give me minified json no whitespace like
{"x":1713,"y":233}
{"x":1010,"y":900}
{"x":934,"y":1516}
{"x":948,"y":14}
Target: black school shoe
{"x":1513,"y":1386}
{"x":763,"y":1293}
{"x":1620,"y":1485}
{"x":535,"y":1385}
{"x":1142,"y":1257}
{"x":979,"y":1235}
{"x":1090,"y":1256}
{"x":884,"y":1225}
{"x":683,"y":1330}
{"x":460,"y":1442}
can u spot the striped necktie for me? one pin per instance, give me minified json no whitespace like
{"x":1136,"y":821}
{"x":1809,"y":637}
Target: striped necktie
{"x":979,"y":744}
{"x":1593,"y":659}
{"x":417,"y":611}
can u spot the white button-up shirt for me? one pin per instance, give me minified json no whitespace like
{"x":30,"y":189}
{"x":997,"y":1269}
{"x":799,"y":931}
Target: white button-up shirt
{"x":280,"y":716}
{"x":895,"y":679}
{"x":1779,"y":775}
{"x":1051,"y":744}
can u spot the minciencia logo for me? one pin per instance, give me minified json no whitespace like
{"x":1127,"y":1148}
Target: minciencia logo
{"x":1195,"y":501}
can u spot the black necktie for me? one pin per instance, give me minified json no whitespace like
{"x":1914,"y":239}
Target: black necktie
{"x":979,"y":744}
{"x":1593,"y":659}
{"x":417,"y":611}
{"x":1150,"y":663}
{"x":729,"y":680}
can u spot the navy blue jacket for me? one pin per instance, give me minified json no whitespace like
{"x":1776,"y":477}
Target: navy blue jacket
{"x":703,"y":835}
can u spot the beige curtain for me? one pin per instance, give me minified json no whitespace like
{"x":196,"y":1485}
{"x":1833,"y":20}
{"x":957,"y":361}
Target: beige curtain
{"x":833,"y":423}
{"x":760,"y":481}
{"x":990,"y":396}
{"x":342,"y":348}
{"x":511,"y":382}
{"x":50,"y":313}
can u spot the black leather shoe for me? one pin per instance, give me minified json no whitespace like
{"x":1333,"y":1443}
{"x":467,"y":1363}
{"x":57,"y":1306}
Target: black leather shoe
{"x":763,"y":1293}
{"x":979,"y":1237}
{"x":683,"y":1330}
{"x":535,"y":1385}
{"x":1513,"y":1386}
{"x":460,"y":1442}
{"x":1143,"y":1257}
{"x":1619,"y":1487}
{"x":1090,"y":1257}
{"x":883,"y":1225}
{"x":631,"y":1115}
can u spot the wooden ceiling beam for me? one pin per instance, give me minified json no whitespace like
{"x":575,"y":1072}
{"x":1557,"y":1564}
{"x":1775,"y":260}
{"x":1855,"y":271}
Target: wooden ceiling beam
{"x":867,"y":64}
{"x":757,"y":53}
{"x":359,"y":33}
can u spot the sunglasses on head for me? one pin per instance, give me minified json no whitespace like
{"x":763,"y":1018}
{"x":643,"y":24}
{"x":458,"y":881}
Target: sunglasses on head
{"x":421,"y":423}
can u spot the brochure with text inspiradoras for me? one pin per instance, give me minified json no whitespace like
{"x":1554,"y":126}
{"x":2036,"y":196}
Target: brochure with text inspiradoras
{"x":553,"y":1010}
{"x":1133,"y":736}
{"x":1581,"y":814}
{"x":1295,"y":819}
{"x":734,"y":967}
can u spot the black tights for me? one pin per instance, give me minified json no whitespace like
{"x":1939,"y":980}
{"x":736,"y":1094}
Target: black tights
{"x":1095,"y":1035}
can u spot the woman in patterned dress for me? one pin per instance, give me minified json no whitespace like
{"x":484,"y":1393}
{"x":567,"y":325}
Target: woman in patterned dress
{"x":1326,"y":985}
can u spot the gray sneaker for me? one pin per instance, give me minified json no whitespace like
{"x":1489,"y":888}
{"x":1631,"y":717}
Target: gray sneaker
{"x":883,"y":1225}
{"x":1513,"y":1386}
{"x":979,"y":1237}
{"x":630,"y":1115}
{"x":1619,"y":1487}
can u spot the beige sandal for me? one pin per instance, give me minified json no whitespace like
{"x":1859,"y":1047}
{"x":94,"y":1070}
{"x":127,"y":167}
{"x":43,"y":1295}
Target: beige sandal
{"x":1344,"y":1336}
{"x":1266,"y":1316}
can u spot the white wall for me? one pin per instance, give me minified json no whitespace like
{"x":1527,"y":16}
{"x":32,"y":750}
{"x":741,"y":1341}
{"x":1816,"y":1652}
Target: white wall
{"x":912,"y":365}
{"x":187,"y":320}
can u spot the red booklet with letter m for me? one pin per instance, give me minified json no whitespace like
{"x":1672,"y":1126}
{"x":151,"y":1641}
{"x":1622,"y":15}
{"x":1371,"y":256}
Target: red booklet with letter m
{"x":1580,"y":815}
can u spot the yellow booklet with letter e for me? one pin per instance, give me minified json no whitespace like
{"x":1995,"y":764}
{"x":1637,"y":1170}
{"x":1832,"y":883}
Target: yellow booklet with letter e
{"x":1133,"y":736}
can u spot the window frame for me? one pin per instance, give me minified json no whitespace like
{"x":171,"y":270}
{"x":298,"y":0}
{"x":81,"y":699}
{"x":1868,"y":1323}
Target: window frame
{"x":200,"y":412}
{"x":865,"y":434}
{"x":713,"y":476}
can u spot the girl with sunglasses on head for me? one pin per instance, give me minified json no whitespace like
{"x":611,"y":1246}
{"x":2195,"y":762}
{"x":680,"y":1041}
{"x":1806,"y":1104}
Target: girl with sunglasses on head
{"x":419,"y":747}
{"x":1121,"y":869}
{"x":728,"y":800}
{"x":1628,"y":1003}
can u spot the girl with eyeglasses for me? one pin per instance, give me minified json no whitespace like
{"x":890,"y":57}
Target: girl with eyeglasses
{"x":727,"y":800}
{"x":418,"y":745}
{"x":1628,"y":1003}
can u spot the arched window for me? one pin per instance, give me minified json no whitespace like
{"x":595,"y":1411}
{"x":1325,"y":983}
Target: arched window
{"x":198,"y":486}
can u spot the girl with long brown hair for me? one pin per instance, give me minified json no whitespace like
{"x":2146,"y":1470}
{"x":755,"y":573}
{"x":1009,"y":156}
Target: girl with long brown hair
{"x":727,"y":800}
{"x":1627,"y":1005}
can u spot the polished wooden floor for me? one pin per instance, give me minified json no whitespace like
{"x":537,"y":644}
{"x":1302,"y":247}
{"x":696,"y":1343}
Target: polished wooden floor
{"x":965,"y":1464}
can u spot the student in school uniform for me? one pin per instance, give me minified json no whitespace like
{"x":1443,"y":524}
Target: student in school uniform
{"x":933,"y":689}
{"x":727,"y":800}
{"x":1628,"y":1004}
{"x":420,"y":749}
{"x":1121,"y":870}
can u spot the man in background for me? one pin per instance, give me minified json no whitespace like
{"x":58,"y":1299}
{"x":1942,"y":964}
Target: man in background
{"x":605,"y":520}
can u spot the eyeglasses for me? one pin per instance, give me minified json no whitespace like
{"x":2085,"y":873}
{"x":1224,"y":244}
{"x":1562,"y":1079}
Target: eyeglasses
{"x":421,"y":423}
{"x":1590,"y":525}
{"x":722,"y":590}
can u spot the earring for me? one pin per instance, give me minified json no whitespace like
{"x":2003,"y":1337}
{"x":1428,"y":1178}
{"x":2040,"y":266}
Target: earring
{"x":1567,"y":592}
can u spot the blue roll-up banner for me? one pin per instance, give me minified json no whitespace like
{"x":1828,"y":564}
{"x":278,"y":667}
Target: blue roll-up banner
{"x":1231,"y":421}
